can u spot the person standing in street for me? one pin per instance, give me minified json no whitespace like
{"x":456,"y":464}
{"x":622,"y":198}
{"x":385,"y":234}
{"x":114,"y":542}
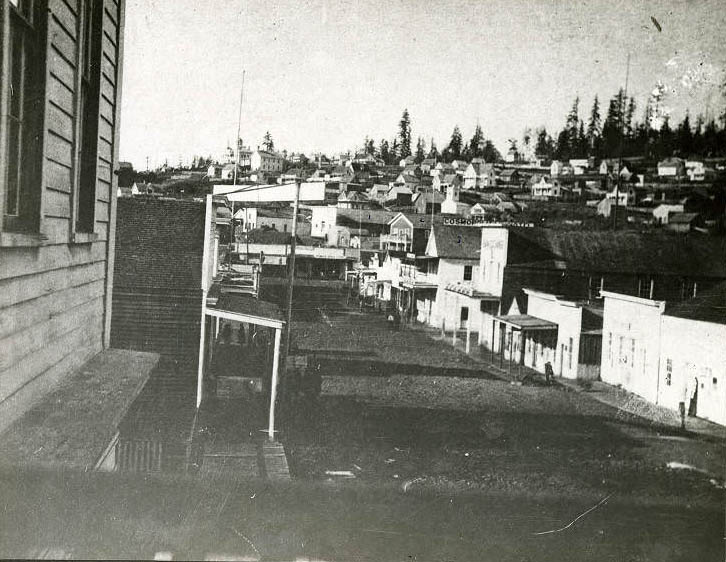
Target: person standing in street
{"x":549,"y":373}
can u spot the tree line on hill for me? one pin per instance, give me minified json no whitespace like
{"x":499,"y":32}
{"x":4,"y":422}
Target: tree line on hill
{"x":401,"y":146}
{"x":620,"y":133}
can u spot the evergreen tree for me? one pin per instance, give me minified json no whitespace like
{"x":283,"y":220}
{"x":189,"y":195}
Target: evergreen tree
{"x":384,"y":151}
{"x":404,"y":134}
{"x":453,"y":151}
{"x":395,"y":151}
{"x":433,"y":151}
{"x":612,"y":129}
{"x":490,"y":152}
{"x":545,"y":146}
{"x":370,"y":146}
{"x":594,"y":128}
{"x":420,"y":150}
{"x":571,"y":125}
{"x":476,"y":144}
{"x":268,"y":143}
{"x":684,"y":137}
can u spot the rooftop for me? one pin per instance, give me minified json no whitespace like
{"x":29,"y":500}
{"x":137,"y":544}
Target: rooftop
{"x":460,"y":242}
{"x":708,"y":307}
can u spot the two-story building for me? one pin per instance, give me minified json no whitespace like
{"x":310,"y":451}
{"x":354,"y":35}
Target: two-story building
{"x":266,"y":161}
{"x":60,"y":94}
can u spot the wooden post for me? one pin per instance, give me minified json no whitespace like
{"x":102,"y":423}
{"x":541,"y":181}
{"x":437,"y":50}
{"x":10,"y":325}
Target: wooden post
{"x":200,"y":365}
{"x":468,"y":336}
{"x":443,"y":328}
{"x":291,"y":265}
{"x":491,"y":343}
{"x":502,"y":333}
{"x":511,"y":350}
{"x":273,"y":386}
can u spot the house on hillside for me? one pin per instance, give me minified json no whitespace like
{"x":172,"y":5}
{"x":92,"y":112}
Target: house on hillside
{"x":57,"y":193}
{"x":378,"y":192}
{"x":545,"y":188}
{"x":266,"y":161}
{"x":695,"y":170}
{"x":399,"y":194}
{"x":662,"y":213}
{"x":479,"y":175}
{"x":427,"y":165}
{"x":673,"y":167}
{"x":509,"y":176}
{"x":684,"y":222}
{"x":442,"y":183}
{"x":427,"y":202}
{"x":353,"y":200}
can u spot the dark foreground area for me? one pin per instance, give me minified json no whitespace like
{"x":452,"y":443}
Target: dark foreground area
{"x":96,"y":515}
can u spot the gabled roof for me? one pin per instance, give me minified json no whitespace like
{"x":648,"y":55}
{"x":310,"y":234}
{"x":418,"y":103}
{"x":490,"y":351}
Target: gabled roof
{"x":369,"y":216}
{"x":682,"y":218}
{"x":707,"y":307}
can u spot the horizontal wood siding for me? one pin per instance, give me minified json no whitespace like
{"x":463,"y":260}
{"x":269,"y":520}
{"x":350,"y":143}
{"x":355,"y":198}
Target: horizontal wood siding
{"x":162,"y":322}
{"x":52,"y":297}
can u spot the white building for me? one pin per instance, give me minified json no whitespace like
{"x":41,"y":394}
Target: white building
{"x":665,"y":352}
{"x":264,"y":161}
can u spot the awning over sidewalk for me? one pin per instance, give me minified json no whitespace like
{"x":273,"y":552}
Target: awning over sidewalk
{"x":467,"y":289}
{"x":245,"y":308}
{"x":526,"y":322}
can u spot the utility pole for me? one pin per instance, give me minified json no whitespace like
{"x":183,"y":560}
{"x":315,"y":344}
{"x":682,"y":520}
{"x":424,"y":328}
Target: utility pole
{"x":291,"y":267}
{"x":622,"y":134}
{"x":239,"y":126}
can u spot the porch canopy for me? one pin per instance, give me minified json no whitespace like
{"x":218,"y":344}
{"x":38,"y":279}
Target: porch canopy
{"x":242,"y":308}
{"x":526,"y":322}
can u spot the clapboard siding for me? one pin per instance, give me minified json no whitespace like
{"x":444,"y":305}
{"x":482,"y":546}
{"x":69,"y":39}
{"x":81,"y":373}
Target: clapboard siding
{"x":57,"y":204}
{"x":163,"y":322}
{"x":61,"y":67}
{"x":34,"y":364}
{"x":60,"y":122}
{"x":17,"y":290}
{"x":62,"y":40}
{"x":60,"y":94}
{"x":26,"y":314}
{"x":15,"y":348}
{"x":59,"y":149}
{"x":103,"y":191}
{"x":53,"y":298}
{"x":101,"y":211}
{"x":18,"y":264}
{"x":65,"y":14}
{"x":58,"y":176}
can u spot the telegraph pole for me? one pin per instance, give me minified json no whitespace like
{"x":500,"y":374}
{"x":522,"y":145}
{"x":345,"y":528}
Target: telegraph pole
{"x":620,"y":155}
{"x":291,"y":267}
{"x":239,"y":126}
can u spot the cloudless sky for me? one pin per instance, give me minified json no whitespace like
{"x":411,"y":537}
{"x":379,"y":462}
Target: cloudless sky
{"x":324,"y":74}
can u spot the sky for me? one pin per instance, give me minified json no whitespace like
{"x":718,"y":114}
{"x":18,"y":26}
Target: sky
{"x":322,"y":75}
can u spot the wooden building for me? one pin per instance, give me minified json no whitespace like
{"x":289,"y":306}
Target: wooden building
{"x":60,"y":75}
{"x":157,"y":298}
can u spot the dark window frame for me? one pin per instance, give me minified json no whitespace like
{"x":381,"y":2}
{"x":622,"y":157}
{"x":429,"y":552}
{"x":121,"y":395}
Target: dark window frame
{"x":468,"y":272}
{"x":24,"y":148}
{"x":90,"y":95}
